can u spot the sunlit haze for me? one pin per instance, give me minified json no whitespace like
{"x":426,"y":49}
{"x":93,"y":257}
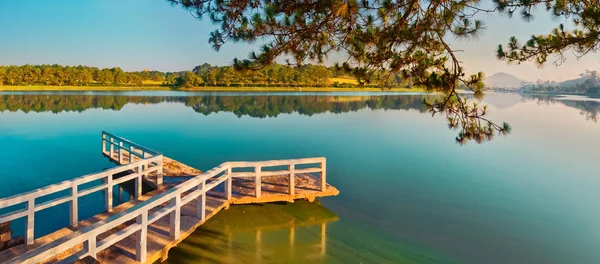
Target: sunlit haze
{"x":152,"y":34}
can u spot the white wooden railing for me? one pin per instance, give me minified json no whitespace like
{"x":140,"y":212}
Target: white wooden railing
{"x":141,"y":168}
{"x":169,"y":204}
{"x":128,"y":152}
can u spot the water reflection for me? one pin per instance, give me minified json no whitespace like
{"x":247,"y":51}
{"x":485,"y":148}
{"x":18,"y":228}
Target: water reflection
{"x":254,"y":106}
{"x":259,"y":233}
{"x":261,"y":106}
{"x":588,"y":107}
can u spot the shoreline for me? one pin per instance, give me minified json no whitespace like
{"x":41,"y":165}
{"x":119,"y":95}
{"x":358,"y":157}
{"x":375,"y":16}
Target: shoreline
{"x":201,"y":89}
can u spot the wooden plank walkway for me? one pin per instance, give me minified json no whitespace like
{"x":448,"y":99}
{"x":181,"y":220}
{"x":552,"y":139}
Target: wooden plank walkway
{"x":144,"y":229}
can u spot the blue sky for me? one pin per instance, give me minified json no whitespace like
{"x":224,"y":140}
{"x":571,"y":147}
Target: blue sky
{"x":152,"y":34}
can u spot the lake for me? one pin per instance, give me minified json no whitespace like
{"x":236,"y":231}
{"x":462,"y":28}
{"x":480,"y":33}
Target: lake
{"x":409,"y":192}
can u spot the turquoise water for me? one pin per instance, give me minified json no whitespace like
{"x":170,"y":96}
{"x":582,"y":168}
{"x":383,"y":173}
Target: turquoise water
{"x":409,"y":193}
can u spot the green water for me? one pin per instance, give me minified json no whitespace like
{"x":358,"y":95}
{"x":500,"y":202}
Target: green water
{"x":409,"y":193}
{"x":290,"y":233}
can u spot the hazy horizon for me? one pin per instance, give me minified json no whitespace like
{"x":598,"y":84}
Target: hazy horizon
{"x":137,"y":35}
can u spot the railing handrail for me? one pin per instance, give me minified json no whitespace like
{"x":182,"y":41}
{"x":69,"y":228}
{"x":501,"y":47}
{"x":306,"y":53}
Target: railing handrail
{"x":81,"y":236}
{"x":273,"y":163}
{"x":90,"y":233}
{"x":131,"y":143}
{"x":50,"y":189}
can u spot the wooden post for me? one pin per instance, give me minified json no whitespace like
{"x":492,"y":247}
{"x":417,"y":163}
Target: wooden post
{"x":175,"y":218}
{"x":142,"y":237}
{"x":257,"y":181}
{"x":130,"y":155}
{"x":138,"y":182}
{"x":108,"y":195}
{"x":112,"y":147}
{"x":228,"y":184}
{"x":292,"y":182}
{"x":29,"y":235}
{"x":323,"y":175}
{"x":90,"y":245}
{"x":103,"y":142}
{"x":74,"y":211}
{"x":159,"y":173}
{"x":201,"y":202}
{"x":120,"y":152}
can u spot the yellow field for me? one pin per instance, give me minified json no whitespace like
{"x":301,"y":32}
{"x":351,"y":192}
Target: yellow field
{"x":150,"y":82}
{"x":349,"y":80}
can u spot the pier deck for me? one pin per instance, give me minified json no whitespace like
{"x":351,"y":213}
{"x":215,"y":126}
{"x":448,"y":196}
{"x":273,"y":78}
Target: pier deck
{"x":143,"y":229}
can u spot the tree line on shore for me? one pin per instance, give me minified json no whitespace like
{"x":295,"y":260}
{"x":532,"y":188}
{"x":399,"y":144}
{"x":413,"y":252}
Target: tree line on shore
{"x":588,"y":83}
{"x":58,"y":75}
{"x":274,"y":75}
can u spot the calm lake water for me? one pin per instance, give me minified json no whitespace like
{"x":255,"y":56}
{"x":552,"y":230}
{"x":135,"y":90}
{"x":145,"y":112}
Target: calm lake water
{"x":409,"y":193}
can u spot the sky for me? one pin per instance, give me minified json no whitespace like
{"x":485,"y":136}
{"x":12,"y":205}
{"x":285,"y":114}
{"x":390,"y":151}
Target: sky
{"x":153,"y":34}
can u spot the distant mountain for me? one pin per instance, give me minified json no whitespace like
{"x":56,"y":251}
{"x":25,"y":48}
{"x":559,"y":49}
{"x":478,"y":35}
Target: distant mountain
{"x":504,"y":81}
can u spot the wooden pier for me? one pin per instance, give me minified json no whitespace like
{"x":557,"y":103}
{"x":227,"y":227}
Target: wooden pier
{"x":143,"y":229}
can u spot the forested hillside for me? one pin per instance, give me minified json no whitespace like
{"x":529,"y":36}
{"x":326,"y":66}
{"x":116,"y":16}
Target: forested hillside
{"x":588,"y":83}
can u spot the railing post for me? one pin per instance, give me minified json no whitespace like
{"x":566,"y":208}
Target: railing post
{"x":103,"y":142}
{"x":228,"y":184}
{"x":175,"y":217}
{"x":108,"y":195}
{"x":292,"y":182}
{"x":201,"y":202}
{"x":130,"y":154}
{"x":257,"y":181}
{"x":120,"y":152}
{"x":90,"y":246}
{"x":323,"y":175}
{"x":112,"y":147}
{"x":138,"y":181}
{"x":159,"y":172}
{"x":142,"y":237}
{"x":29,"y":235}
{"x":74,"y":210}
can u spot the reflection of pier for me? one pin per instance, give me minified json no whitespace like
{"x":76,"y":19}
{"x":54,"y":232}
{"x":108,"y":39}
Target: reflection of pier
{"x":248,"y":233}
{"x":321,"y":246}
{"x":145,"y":228}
